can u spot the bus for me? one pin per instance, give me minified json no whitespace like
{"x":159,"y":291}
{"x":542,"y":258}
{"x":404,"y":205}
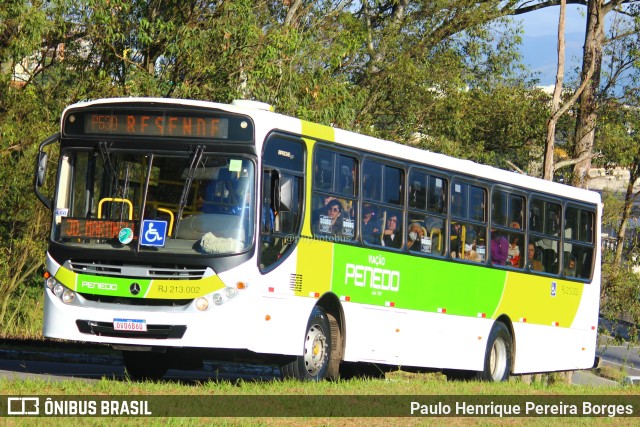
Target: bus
{"x":186,"y":230}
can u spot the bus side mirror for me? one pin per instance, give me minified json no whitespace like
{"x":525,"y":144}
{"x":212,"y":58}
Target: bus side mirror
{"x":41,"y":168}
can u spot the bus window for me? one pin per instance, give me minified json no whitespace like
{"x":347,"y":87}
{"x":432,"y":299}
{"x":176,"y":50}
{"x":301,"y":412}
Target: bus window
{"x":417,"y":190}
{"x":536,"y":215}
{"x":346,"y":175}
{"x":333,"y":217}
{"x":323,"y":170}
{"x":459,"y":196}
{"x":282,"y":198}
{"x":468,"y":229}
{"x":393,"y":185}
{"x":426,"y":234}
{"x":371,"y":180}
{"x":544,"y":227}
{"x":334,"y":172}
{"x":437,"y":195}
{"x":516,"y":211}
{"x":507,"y":220}
{"x":372,"y":226}
{"x":499,"y":209}
{"x":334,"y":199}
{"x":578,"y":243}
{"x":477,"y":203}
{"x":552,"y":220}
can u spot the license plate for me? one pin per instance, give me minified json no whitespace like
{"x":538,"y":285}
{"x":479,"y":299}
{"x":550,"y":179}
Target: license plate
{"x":135,"y":325}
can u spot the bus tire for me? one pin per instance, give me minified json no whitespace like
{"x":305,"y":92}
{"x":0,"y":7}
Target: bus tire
{"x":498,"y":355}
{"x":145,"y":366}
{"x":319,"y":360}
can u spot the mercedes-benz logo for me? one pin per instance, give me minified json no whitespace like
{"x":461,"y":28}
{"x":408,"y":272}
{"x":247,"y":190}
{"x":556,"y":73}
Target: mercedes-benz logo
{"x":134,"y":289}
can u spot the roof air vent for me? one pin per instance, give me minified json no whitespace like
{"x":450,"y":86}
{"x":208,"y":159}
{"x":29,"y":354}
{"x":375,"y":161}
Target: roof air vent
{"x":256,"y":105}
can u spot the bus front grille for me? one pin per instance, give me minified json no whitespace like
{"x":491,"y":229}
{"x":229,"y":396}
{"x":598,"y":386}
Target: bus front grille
{"x":105,"y":329}
{"x":144,"y":302}
{"x":136,"y":271}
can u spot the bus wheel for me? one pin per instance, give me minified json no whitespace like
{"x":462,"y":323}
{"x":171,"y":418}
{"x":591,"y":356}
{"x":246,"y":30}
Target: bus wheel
{"x":318,"y":361}
{"x":143,"y":365}
{"x":497,"y":358}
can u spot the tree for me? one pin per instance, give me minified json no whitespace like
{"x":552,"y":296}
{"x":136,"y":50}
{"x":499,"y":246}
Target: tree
{"x":590,"y":76}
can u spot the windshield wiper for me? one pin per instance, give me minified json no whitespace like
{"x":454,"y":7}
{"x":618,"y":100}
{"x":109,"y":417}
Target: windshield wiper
{"x":195,"y":161}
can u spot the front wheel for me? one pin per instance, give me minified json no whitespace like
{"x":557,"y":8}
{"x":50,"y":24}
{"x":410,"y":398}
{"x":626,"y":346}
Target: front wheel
{"x":498,"y":355}
{"x":320,"y":358}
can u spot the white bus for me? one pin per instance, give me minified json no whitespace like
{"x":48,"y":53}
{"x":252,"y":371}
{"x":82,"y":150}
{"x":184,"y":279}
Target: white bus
{"x":184,"y":230}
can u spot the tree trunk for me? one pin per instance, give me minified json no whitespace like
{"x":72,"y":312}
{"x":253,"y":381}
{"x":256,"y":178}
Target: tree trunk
{"x":587,"y":113}
{"x":629,"y":198}
{"x":549,"y":147}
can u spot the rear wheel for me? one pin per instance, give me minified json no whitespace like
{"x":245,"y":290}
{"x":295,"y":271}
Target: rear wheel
{"x":498,"y":355}
{"x":144,"y":365}
{"x":320,"y":358}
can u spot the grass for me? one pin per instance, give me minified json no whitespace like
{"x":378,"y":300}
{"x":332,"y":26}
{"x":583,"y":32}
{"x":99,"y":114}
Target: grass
{"x":614,"y":374}
{"x":395,"y":385}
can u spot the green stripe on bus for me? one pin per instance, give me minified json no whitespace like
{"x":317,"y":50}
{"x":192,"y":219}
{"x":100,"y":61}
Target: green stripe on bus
{"x":389,"y":279}
{"x":112,"y":286}
{"x":382,"y":278}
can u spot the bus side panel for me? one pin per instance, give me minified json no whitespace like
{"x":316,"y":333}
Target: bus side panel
{"x":414,"y":338}
{"x":546,"y":348}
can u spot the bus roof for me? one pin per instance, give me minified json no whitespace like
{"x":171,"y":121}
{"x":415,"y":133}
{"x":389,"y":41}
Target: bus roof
{"x":373,"y":145}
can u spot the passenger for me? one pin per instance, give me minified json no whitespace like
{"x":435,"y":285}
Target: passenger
{"x":472,"y":255}
{"x":329,"y":221}
{"x":392,"y":237}
{"x":370,"y":225}
{"x":499,"y":248}
{"x":457,"y":244}
{"x":416,"y":233}
{"x":514,"y":252}
{"x":315,"y":214}
{"x":570,"y":266}
{"x":533,"y":263}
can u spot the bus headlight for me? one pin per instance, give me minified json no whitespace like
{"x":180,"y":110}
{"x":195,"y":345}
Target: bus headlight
{"x":230,"y":292}
{"x":68,"y":296}
{"x":223,"y":295}
{"x":217,"y":299}
{"x":202,"y":304}
{"x":50,"y":282}
{"x":65,"y":294}
{"x":58,"y":289}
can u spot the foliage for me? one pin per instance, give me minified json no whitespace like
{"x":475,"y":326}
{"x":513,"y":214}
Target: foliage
{"x":438,"y":74}
{"x":620,"y":297}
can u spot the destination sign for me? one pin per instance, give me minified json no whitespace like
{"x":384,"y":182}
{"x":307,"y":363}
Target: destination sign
{"x":93,"y":228}
{"x":157,"y":125}
{"x":142,"y":121}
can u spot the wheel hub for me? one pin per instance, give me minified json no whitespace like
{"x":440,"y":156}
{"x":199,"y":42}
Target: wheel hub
{"x":315,"y":350}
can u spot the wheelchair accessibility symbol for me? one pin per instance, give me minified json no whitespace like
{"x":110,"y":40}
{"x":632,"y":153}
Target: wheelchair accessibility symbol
{"x":153,"y":233}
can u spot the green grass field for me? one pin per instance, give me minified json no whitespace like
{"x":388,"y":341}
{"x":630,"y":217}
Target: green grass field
{"x":395,"y":387}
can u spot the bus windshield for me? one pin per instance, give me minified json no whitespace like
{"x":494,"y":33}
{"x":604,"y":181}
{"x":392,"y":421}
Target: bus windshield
{"x":190,"y":203}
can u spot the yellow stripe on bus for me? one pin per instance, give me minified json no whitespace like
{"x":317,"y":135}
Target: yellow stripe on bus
{"x":184,"y":289}
{"x":315,"y":261}
{"x":312,"y":132}
{"x":540,"y":300}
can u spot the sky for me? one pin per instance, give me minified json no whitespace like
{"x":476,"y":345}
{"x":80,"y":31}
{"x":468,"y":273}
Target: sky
{"x":540,"y":41}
